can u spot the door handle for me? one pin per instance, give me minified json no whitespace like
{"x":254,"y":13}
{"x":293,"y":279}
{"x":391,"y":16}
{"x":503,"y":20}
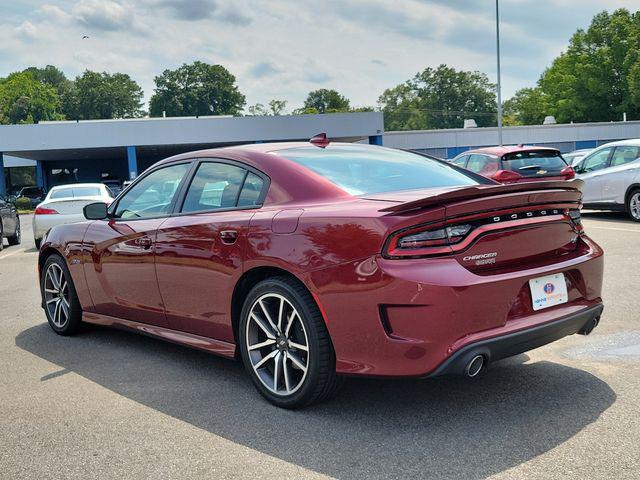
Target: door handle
{"x":144,"y":242}
{"x":228,"y":237}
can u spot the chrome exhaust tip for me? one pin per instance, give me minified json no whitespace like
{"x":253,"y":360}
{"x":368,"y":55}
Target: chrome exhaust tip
{"x":475,"y":366}
{"x":589,"y":326}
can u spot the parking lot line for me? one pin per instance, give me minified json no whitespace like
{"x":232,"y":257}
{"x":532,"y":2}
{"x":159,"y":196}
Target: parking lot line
{"x":12,"y":253}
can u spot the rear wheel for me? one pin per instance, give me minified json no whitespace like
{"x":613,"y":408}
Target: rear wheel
{"x":60,"y":300}
{"x":16,"y":237}
{"x":285,"y":345}
{"x":633,"y":205}
{"x":1,"y":236}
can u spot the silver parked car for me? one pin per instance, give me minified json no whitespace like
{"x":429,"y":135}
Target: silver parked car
{"x":611,"y":175}
{"x":64,"y":204}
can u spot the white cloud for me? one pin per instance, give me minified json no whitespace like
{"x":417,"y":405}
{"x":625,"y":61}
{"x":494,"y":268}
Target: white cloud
{"x":285,"y":48}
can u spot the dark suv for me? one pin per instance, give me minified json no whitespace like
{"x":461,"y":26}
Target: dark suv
{"x":34,"y":194}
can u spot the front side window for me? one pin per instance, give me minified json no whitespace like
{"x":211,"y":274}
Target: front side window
{"x":214,"y":186}
{"x":596,"y":161}
{"x":360,"y":170}
{"x":153,"y":195}
{"x":626,"y":154}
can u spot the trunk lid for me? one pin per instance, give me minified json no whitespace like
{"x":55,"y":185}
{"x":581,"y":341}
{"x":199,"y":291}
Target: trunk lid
{"x":510,"y":225}
{"x":71,"y":206}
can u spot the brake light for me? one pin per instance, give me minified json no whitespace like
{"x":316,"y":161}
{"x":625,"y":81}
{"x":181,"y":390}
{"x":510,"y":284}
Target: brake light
{"x":422,"y":241}
{"x":568,"y":172}
{"x":506,"y":176}
{"x":45,"y":211}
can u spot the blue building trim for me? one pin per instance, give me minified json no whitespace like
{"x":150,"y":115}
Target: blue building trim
{"x":455,"y":151}
{"x":580,"y":144}
{"x":40,"y":177}
{"x":375,"y":140}
{"x":132,"y":162}
{"x":3,"y":184}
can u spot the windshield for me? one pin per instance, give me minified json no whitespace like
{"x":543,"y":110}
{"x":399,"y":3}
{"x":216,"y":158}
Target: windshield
{"x":361,"y":170}
{"x":534,"y":163}
{"x":74,"y":192}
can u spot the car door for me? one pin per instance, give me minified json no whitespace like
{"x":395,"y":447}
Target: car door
{"x":199,"y":253}
{"x":591,"y":170}
{"x":623,"y":169}
{"x":121,"y":272}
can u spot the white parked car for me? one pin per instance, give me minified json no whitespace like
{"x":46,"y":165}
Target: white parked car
{"x":572,"y":158}
{"x":611,"y":175}
{"x":64,"y":204}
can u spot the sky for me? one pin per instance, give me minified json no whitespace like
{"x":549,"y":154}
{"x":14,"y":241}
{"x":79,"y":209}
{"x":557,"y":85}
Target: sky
{"x":285,"y":48}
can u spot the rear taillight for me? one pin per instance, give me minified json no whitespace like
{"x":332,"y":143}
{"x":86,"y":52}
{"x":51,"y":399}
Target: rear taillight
{"x":506,"y":176}
{"x":418,"y":242}
{"x":576,"y":219}
{"x":45,"y":211}
{"x":568,"y":172}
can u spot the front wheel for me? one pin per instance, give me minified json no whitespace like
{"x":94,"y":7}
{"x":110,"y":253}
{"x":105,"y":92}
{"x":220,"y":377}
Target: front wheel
{"x":59,"y":297}
{"x":633,"y":205}
{"x":285,"y":346}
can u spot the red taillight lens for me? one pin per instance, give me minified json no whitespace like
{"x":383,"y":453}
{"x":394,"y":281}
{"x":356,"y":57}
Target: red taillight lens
{"x":568,"y":173}
{"x":45,"y":211}
{"x":420,"y":242}
{"x":506,"y":176}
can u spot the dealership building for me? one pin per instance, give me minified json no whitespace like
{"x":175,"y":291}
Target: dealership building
{"x":100,"y":150}
{"x":55,"y":153}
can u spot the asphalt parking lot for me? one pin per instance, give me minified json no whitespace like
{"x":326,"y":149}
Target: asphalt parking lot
{"x":109,"y":404}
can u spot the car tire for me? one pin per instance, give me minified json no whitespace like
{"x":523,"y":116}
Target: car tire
{"x":281,"y":315}
{"x":59,"y":297}
{"x":37,"y":241}
{"x":1,"y":236}
{"x":633,"y":205}
{"x":16,"y":238}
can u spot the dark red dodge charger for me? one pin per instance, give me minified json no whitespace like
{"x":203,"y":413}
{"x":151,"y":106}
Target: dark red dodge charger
{"x":312,"y":261}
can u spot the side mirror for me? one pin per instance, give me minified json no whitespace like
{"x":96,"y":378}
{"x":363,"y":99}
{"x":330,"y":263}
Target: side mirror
{"x":95,"y":211}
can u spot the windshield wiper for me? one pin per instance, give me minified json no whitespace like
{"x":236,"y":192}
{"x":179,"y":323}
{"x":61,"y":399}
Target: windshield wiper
{"x":530,"y":167}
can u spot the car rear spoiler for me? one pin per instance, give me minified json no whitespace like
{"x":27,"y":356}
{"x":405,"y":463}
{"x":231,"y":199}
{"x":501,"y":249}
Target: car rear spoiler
{"x":479,"y":191}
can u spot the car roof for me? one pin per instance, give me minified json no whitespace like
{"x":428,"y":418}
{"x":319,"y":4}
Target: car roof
{"x":499,"y":151}
{"x":635,"y":142}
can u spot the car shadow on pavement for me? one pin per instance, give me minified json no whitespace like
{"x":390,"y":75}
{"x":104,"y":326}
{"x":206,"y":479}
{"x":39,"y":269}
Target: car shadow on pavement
{"x":443,"y":428}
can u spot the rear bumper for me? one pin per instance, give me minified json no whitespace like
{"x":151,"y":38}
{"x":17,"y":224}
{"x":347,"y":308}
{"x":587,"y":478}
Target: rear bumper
{"x":518,"y":342}
{"x":395,"y":318}
{"x":43,"y":223}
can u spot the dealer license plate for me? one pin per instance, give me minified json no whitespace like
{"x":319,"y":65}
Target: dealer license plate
{"x":548,"y":291}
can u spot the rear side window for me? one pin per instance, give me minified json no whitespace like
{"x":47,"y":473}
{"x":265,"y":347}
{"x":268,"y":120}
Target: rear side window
{"x":221,"y":185}
{"x":534,"y":163}
{"x":251,"y":190}
{"x":460,"y":161}
{"x":361,"y":170}
{"x":626,"y":154}
{"x":483,"y":164}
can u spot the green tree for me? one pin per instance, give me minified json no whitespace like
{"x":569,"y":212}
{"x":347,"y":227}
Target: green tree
{"x":196,"y":89}
{"x":96,"y":95}
{"x":275,"y":107}
{"x":24,"y":99}
{"x":598,"y":77}
{"x":439,"y":98}
{"x":325,"y":101}
{"x":528,"y":106}
{"x":53,"y":76}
